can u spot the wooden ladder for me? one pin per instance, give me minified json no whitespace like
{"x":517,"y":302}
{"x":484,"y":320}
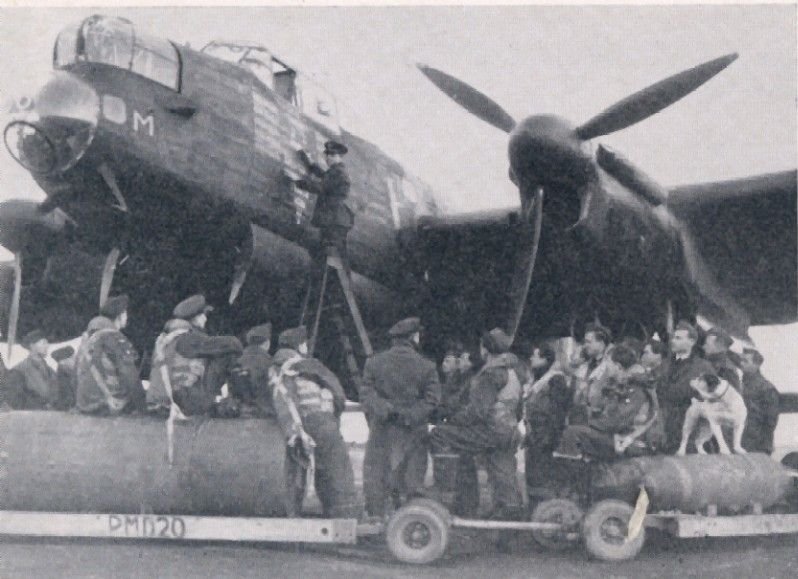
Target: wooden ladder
{"x":325,"y":298}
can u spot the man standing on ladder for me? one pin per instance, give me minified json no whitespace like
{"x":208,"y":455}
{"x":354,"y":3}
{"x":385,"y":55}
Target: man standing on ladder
{"x":333,"y":215}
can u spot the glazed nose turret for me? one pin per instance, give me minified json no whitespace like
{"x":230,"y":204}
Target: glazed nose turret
{"x":51,"y":131}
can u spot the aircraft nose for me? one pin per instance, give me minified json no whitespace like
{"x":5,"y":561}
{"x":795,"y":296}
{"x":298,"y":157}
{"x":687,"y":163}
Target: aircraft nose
{"x":52,"y":131}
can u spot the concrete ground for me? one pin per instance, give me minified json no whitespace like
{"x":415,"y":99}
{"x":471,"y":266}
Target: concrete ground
{"x":474,"y":556}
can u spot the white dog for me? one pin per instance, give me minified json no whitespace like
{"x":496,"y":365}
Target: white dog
{"x":719,"y":405}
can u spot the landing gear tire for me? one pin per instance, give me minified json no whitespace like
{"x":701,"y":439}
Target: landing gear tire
{"x":417,"y":534}
{"x":605,"y":529}
{"x":564,"y":512}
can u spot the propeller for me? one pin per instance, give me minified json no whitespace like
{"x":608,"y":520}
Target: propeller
{"x":544,"y":148}
{"x":623,"y":114}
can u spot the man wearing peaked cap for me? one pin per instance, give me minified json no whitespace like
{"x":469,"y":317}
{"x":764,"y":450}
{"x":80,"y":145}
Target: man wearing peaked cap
{"x":249,"y":381}
{"x":487,"y":425}
{"x":31,"y":384}
{"x":308,"y":401}
{"x":259,"y":335}
{"x":106,"y":365}
{"x":333,"y":214}
{"x":192,"y":307}
{"x":335,"y":148}
{"x":190,"y":367}
{"x":399,"y":391}
{"x":294,"y":339}
{"x":406,"y":327}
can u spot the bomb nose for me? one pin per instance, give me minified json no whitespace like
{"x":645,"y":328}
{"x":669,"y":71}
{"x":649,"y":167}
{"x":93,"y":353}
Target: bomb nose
{"x":52,"y":131}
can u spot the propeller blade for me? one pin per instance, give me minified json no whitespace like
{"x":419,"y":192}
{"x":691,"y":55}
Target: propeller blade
{"x":239,"y":278}
{"x":652,"y":99}
{"x":13,"y":316}
{"x":469,"y":98}
{"x":243,"y":265}
{"x":525,"y":263}
{"x":109,"y":267}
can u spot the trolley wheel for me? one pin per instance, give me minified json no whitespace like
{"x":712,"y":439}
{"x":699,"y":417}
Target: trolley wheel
{"x":433,"y":505}
{"x":563,"y":511}
{"x":417,"y":534}
{"x":605,"y":528}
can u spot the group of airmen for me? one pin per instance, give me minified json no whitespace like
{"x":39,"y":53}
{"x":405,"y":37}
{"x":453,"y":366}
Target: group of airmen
{"x":611,"y":399}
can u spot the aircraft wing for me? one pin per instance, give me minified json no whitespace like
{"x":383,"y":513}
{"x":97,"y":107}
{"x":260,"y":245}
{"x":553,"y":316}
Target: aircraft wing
{"x":468,"y":261}
{"x":746,"y":232}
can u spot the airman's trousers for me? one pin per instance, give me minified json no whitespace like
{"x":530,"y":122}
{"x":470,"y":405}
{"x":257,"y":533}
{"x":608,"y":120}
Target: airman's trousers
{"x":334,"y":477}
{"x":394,"y":466}
{"x":497,"y":454}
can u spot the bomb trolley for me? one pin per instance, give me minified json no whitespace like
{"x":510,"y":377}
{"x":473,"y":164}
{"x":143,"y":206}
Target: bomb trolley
{"x":686,"y":497}
{"x":65,"y":475}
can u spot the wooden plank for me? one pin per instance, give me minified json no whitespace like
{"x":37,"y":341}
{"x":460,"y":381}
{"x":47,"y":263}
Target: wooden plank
{"x":695,"y":526}
{"x":175,"y":527}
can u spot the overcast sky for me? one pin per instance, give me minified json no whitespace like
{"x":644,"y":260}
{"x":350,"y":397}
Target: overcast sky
{"x":570,"y":61}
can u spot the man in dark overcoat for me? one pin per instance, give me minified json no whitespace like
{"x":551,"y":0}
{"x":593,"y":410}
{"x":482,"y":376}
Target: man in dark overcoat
{"x":716,"y":352}
{"x":676,"y":393}
{"x":333,"y":214}
{"x":32,"y":384}
{"x":107,"y":368}
{"x":399,"y":391}
{"x":762,"y":402}
{"x":249,"y":383}
{"x":487,"y":425}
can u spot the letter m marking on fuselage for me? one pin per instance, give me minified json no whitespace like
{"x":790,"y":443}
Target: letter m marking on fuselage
{"x":147,"y":123}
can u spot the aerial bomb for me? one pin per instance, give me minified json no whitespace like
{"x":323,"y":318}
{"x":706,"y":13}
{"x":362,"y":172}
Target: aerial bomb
{"x":620,"y":479}
{"x":729,"y":482}
{"x":59,"y":462}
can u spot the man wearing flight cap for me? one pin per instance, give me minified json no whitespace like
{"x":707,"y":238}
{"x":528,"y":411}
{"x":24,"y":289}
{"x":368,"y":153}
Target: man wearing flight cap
{"x":108,"y":375}
{"x":31,"y":384}
{"x":333,"y":214}
{"x":308,"y":401}
{"x":487,"y":426}
{"x":249,"y":383}
{"x":189,"y":367}
{"x":399,"y":390}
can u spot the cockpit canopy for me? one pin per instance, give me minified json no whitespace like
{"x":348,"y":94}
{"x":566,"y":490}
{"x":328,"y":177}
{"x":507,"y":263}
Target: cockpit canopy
{"x":297,"y":89}
{"x":114,"y":41}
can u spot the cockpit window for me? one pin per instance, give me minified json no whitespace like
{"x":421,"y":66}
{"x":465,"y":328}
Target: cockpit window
{"x":113,"y":41}
{"x":295,"y":88}
{"x":66,"y":46}
{"x":252,"y":57}
{"x":108,"y":41}
{"x":285,"y":82}
{"x":156,"y":59}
